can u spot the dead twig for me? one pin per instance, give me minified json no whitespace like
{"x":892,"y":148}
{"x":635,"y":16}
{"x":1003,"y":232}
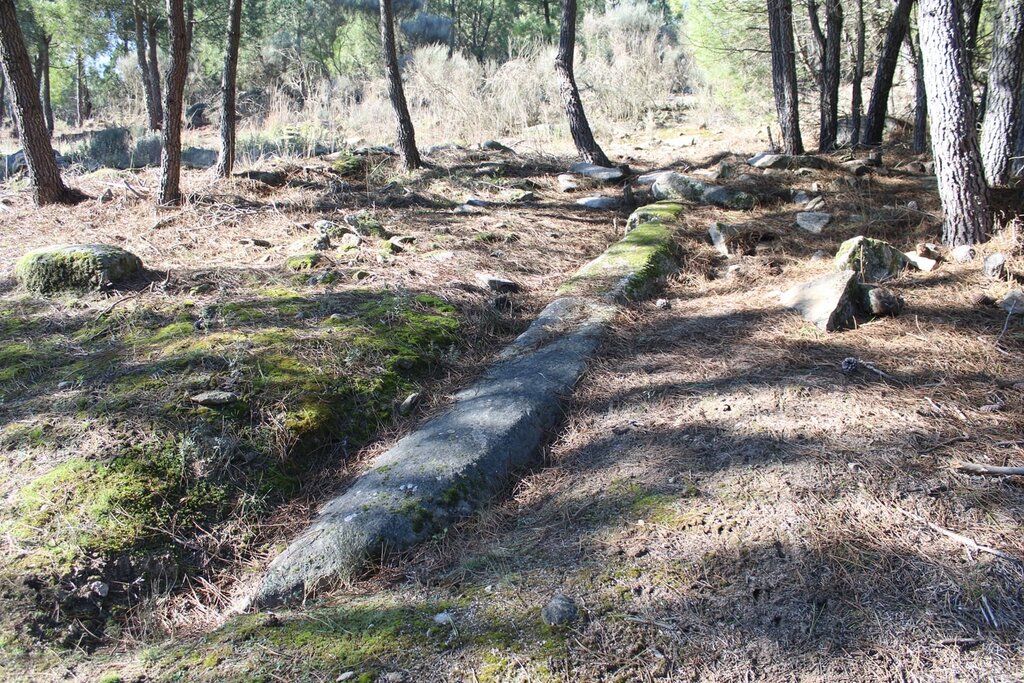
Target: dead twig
{"x":988,"y":470}
{"x":964,"y":540}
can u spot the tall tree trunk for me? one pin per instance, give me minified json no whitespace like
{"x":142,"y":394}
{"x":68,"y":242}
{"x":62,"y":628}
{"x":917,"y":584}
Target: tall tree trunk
{"x":3,"y":100}
{"x":47,"y":186}
{"x":152,"y":100}
{"x":829,"y":124}
{"x":44,"y":81}
{"x":83,"y":106}
{"x":784,"y":86}
{"x":154,"y":68}
{"x":547,"y":13}
{"x":1002,"y":101}
{"x":874,"y":126}
{"x":190,"y":19}
{"x":857,"y":97}
{"x":406,"y":134}
{"x":1018,"y":146}
{"x":228,"y":89}
{"x":170,"y":157}
{"x":970,"y":11}
{"x":920,"y":143}
{"x":958,"y":167}
{"x":582,"y":135}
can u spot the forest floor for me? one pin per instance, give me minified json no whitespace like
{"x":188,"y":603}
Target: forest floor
{"x":722,"y":501}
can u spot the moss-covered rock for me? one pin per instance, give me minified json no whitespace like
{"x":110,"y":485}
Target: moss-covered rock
{"x":75,"y":267}
{"x":873,"y":260}
{"x":303,"y":261}
{"x":628,"y":268}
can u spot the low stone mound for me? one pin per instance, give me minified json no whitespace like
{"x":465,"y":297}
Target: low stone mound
{"x":75,"y":267}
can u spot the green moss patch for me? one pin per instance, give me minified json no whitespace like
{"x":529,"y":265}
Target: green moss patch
{"x":75,"y":267}
{"x":629,"y":267}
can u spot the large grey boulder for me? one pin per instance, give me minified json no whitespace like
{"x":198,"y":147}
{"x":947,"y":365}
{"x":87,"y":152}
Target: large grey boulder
{"x":75,"y":267}
{"x":676,"y":187}
{"x":813,"y":221}
{"x":198,"y":157}
{"x":874,"y":260}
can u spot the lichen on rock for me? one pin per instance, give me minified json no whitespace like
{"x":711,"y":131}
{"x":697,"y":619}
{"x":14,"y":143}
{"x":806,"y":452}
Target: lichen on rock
{"x":75,"y":267}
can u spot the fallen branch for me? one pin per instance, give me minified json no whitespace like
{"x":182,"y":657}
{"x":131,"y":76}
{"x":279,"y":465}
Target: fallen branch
{"x":969,"y":542}
{"x":988,"y":470}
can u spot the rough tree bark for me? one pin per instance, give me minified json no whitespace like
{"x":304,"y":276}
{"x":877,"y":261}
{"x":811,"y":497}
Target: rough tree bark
{"x":44,"y":81}
{"x":784,"y":86}
{"x":582,"y":135}
{"x":970,"y":11}
{"x":3,"y":100}
{"x":1002,"y":100}
{"x":154,"y":67}
{"x":920,"y":143}
{"x":83,"y":100}
{"x":228,"y":92}
{"x":47,"y":186}
{"x":830,"y":65}
{"x":857,"y":97}
{"x":170,"y":157}
{"x":406,"y":133}
{"x":152,"y":108}
{"x":874,"y":125}
{"x":958,"y":167}
{"x":1018,"y":147}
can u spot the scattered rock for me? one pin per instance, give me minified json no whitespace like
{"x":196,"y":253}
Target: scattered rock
{"x":874,"y":260}
{"x":345,"y":676}
{"x":662,"y":304}
{"x":815,"y":204}
{"x":721,"y":234}
{"x":360,"y":275}
{"x":963,"y":254}
{"x":651,"y":178}
{"x":409,"y":404}
{"x":915,"y":167}
{"x":1013,"y":302}
{"x":75,"y":267}
{"x":857,"y":167}
{"x":350,"y":240}
{"x":602,"y":174}
{"x":981,"y":299}
{"x":922,"y":263}
{"x":819,"y":255}
{"x":786,"y":162}
{"x":256,"y":242}
{"x":994,"y":266}
{"x":303,"y":261}
{"x":491,"y":168}
{"x":215,"y":397}
{"x":599,"y":202}
{"x":271,"y":178}
{"x":881,"y":301}
{"x":390,"y":248}
{"x":497,"y":284}
{"x":198,"y":158}
{"x":467,"y":208}
{"x":106,"y":197}
{"x":444,"y":619}
{"x":494,"y":146}
{"x":567,"y":183}
{"x":675,"y":187}
{"x":325,"y":277}
{"x":830,"y":301}
{"x":813,"y":221}
{"x":560,"y":611}
{"x":331,"y":228}
{"x":522,"y":196}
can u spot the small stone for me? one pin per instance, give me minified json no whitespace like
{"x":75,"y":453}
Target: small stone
{"x":813,"y":221}
{"x":875,"y":260}
{"x":350,"y":239}
{"x":567,"y":183}
{"x":882,"y":301}
{"x":330,"y":228}
{"x":560,"y":611}
{"x":801,"y":197}
{"x":594,"y":172}
{"x":444,"y":619}
{"x":663,"y":304}
{"x":857,"y":167}
{"x":963,"y":254}
{"x":994,"y":266}
{"x":256,"y":242}
{"x":467,"y":208}
{"x":828,"y":301}
{"x":981,"y":299}
{"x":98,"y":588}
{"x":215,"y":397}
{"x":403,"y":239}
{"x":912,"y":205}
{"x":409,"y":404}
{"x":360,"y":275}
{"x":494,"y":146}
{"x":815,"y":204}
{"x":922,"y":263}
{"x":598,"y":202}
{"x":819,"y":255}
{"x":497,"y":284}
{"x":1013,"y":302}
{"x":345,"y":676}
{"x":720,"y":235}
{"x":106,"y":197}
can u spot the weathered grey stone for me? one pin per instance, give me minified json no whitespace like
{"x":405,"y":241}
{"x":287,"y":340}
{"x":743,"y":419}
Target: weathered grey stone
{"x":350,"y":240}
{"x":215,"y":397}
{"x":560,"y":611}
{"x":497,"y":284}
{"x":785,"y":161}
{"x":409,"y":404}
{"x":963,"y":253}
{"x":922,"y":263}
{"x":467,"y":208}
{"x":880,"y":301}
{"x":494,"y":146}
{"x":197,"y":157}
{"x":453,"y":463}
{"x":567,"y":183}
{"x":874,"y":260}
{"x":75,"y":267}
{"x":272,"y":178}
{"x":815,"y":204}
{"x":813,"y":221}
{"x":830,"y":301}
{"x":857,"y":167}
{"x":1013,"y":302}
{"x":676,"y":187}
{"x":720,"y":235}
{"x":599,"y":202}
{"x":602,"y":174}
{"x":651,"y":178}
{"x":994,"y":266}
{"x":800,"y":197}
